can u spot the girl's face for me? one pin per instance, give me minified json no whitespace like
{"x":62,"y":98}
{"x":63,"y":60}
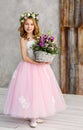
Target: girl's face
{"x":29,"y":26}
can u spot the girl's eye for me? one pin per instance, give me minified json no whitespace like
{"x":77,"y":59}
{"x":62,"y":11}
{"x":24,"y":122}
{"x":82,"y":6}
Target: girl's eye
{"x":26,"y":24}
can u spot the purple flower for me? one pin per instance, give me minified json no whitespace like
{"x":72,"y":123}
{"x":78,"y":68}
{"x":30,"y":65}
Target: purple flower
{"x":43,"y":38}
{"x":46,"y":42}
{"x":41,"y":44}
{"x":49,"y":39}
{"x":52,"y":38}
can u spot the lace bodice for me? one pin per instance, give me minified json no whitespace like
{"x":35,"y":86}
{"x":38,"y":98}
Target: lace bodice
{"x":29,"y":49}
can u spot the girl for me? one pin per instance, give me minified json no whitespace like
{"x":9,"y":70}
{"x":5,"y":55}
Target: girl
{"x":33,"y":91}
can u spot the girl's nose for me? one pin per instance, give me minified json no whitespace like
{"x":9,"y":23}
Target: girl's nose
{"x":29,"y":25}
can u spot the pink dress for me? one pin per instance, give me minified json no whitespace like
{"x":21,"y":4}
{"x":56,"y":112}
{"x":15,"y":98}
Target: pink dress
{"x":33,"y":91}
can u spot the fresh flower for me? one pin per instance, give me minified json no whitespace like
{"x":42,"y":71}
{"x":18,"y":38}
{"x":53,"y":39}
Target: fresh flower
{"x":46,"y":43}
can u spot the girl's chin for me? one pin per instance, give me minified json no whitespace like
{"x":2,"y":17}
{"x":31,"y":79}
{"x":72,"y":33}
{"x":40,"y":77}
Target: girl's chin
{"x":29,"y":31}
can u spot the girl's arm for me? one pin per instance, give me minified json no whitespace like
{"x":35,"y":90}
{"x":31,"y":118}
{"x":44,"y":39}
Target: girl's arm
{"x":24,"y":53}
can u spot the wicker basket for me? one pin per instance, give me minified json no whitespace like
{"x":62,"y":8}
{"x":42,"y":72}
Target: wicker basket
{"x":42,"y":56}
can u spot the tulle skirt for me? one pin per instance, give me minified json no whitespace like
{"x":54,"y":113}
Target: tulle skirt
{"x":33,"y":92}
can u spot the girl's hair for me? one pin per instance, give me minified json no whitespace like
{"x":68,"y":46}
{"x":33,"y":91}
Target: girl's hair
{"x":23,"y":33}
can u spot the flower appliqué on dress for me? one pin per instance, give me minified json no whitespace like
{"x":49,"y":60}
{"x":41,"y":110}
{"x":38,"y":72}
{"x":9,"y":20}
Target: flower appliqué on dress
{"x":25,"y":104}
{"x":46,"y":73}
{"x":53,"y":100}
{"x":14,"y":74}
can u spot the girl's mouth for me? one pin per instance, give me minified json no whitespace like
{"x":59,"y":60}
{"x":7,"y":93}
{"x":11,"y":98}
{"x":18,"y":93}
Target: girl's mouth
{"x":28,"y":29}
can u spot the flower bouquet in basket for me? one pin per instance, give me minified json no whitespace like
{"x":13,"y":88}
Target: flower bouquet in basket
{"x":45,"y":48}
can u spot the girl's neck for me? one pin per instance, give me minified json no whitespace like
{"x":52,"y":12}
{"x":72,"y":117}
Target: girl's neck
{"x":30,"y":36}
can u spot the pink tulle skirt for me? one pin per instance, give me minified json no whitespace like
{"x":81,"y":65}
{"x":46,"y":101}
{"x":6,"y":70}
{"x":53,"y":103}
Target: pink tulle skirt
{"x":33,"y":92}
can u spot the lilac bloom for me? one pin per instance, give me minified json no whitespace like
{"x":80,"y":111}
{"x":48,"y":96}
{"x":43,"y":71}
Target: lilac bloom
{"x":44,"y":35}
{"x":43,"y":38}
{"x":48,"y":38}
{"x":52,"y":38}
{"x":41,"y":44}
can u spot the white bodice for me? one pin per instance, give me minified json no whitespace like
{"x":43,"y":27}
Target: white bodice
{"x":29,"y":49}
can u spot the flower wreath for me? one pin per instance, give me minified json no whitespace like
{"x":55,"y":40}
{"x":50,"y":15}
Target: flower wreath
{"x":26,"y":15}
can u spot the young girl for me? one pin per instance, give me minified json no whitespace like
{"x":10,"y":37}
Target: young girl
{"x":33,"y":91}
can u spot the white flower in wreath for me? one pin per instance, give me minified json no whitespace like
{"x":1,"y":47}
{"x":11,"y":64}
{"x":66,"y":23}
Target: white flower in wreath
{"x":22,"y":15}
{"x":25,"y":14}
{"x":28,"y":14}
{"x":33,"y":15}
{"x":22,"y":21}
{"x":37,"y":17}
{"x":25,"y":17}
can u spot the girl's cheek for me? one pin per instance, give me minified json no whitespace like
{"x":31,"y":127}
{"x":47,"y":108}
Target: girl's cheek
{"x":26,"y":26}
{"x":33,"y":27}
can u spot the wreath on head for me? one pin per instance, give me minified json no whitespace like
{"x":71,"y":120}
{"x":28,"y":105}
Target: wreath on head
{"x":26,"y":15}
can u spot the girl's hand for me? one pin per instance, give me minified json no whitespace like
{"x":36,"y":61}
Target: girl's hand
{"x":42,"y":63}
{"x":39,"y":63}
{"x":48,"y":62}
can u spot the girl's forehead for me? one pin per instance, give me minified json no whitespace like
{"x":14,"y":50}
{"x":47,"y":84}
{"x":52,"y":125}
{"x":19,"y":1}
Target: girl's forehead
{"x":28,"y":21}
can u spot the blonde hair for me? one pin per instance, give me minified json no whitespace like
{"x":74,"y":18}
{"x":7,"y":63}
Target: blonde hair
{"x":23,"y":33}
